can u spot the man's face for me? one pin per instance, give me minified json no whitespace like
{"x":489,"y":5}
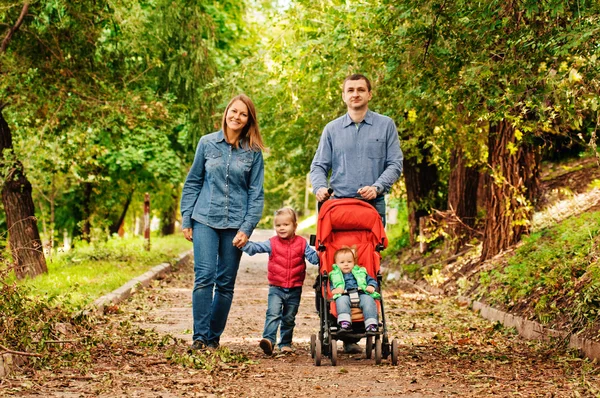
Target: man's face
{"x":356,"y":94}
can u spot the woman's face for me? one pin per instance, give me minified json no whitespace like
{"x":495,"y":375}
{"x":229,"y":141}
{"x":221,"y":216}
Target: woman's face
{"x":237,"y":117}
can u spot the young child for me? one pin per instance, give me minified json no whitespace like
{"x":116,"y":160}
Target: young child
{"x":347,"y":275}
{"x":286,"y":271}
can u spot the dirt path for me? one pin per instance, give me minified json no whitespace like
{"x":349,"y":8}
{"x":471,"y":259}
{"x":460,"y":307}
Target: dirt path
{"x":445,"y":351}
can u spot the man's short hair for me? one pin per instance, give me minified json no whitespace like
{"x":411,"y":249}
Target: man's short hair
{"x":357,"y":76}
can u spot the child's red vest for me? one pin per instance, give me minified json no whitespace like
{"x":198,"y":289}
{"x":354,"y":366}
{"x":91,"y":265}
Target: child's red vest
{"x":286,"y":264}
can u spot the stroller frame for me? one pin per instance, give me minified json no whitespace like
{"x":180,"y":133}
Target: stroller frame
{"x":325,"y":342}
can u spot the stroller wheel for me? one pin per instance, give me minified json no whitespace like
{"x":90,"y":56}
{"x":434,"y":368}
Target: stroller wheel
{"x":333,"y":352}
{"x":394,"y":352}
{"x":377,"y":350}
{"x":313,"y":342}
{"x":318,"y":353}
{"x":369,"y":347}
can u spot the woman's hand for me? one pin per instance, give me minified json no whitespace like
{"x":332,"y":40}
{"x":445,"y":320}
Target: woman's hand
{"x":240,"y":239}
{"x":370,"y":289}
{"x":187,"y":233}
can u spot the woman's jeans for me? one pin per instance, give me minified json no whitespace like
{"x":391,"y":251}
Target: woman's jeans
{"x":367,"y":305}
{"x":216,"y":263}
{"x":281,"y":310}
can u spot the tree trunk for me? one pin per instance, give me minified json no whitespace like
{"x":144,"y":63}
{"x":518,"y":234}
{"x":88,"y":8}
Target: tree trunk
{"x":114,"y":228}
{"x":421,"y":179}
{"x":512,"y":187}
{"x":169,"y":217}
{"x":87,"y":213}
{"x":462,"y":199}
{"x":23,"y":233}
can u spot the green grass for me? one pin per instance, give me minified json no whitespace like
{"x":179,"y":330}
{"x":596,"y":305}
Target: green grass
{"x":89,"y":271}
{"x":555,"y":274}
{"x":397,"y":234}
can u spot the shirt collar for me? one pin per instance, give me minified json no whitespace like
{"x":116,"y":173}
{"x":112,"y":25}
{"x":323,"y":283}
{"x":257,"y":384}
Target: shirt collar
{"x":368,"y":119}
{"x":220,"y":136}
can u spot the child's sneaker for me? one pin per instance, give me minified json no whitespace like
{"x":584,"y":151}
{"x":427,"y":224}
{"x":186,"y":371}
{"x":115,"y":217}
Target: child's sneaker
{"x":371,"y":329}
{"x":266,"y":346}
{"x":345,"y":326}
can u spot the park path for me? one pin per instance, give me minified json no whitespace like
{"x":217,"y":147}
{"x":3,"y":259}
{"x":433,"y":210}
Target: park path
{"x":445,"y":349}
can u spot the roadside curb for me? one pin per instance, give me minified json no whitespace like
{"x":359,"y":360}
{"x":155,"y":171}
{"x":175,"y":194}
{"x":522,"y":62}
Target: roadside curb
{"x":9,"y":361}
{"x":142,"y":281}
{"x":532,"y":330}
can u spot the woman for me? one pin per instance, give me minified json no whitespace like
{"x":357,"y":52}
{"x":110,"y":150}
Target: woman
{"x":221,"y":203}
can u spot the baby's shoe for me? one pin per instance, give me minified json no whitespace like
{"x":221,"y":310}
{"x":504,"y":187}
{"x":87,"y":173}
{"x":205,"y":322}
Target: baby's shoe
{"x":345,"y":326}
{"x":371,"y":329}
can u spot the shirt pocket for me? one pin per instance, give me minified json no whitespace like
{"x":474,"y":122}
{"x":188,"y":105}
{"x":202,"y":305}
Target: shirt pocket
{"x":376,"y":148}
{"x":213,"y":157}
{"x":245,"y":161}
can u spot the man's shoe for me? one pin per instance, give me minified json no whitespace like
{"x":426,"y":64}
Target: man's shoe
{"x":213,"y":346}
{"x":286,"y":349}
{"x":266,"y":346}
{"x":352,"y":348}
{"x":197,"y":345}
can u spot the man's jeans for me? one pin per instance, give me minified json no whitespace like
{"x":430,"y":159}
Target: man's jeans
{"x":282,"y":309}
{"x":367,"y":305}
{"x":216,"y":263}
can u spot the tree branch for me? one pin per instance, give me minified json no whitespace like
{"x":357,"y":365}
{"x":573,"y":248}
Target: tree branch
{"x":12,"y":30}
{"x":25,"y":354}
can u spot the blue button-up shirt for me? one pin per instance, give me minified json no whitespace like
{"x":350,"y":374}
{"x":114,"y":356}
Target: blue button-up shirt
{"x":358,"y":155}
{"x":224,"y":188}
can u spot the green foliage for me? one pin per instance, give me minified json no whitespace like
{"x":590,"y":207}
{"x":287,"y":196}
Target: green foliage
{"x":556,"y":270}
{"x":90,"y":270}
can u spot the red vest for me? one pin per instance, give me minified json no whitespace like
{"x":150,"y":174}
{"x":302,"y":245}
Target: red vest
{"x":286,"y":264}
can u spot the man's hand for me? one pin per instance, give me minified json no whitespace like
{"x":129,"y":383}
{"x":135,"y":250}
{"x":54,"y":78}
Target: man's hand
{"x":368,"y":192}
{"x":187,"y":233}
{"x":322,"y":194}
{"x":370,"y":289}
{"x":240,"y":239}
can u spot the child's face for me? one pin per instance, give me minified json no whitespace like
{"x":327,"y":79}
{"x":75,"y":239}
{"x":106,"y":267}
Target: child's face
{"x":284,"y":226}
{"x":345,"y":261}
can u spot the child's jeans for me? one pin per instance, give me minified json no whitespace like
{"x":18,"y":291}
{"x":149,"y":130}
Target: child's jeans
{"x":367,"y":305}
{"x":282,"y":308}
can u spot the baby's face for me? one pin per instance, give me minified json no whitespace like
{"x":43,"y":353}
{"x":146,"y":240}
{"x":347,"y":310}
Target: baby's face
{"x":345,"y":261}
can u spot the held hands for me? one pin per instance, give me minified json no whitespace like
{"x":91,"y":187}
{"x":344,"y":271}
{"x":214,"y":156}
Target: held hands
{"x":322,"y":194}
{"x":368,"y":192}
{"x":187,"y":233}
{"x":240,"y":239}
{"x":370,"y":289}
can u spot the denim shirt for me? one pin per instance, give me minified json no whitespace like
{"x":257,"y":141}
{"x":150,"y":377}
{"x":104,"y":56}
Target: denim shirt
{"x":224,"y":187}
{"x":358,"y":155}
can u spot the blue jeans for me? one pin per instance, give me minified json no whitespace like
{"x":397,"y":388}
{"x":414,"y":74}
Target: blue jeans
{"x":281,"y":310}
{"x":216,"y":263}
{"x":379,"y":204}
{"x":367,"y":305}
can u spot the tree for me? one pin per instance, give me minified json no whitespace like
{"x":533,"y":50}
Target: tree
{"x":24,"y":237}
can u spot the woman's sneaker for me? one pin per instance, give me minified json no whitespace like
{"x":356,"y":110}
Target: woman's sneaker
{"x":266,"y":346}
{"x":197,"y":345}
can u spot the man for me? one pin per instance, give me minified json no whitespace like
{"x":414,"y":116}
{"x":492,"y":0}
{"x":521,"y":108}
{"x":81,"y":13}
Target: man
{"x":362,"y":151}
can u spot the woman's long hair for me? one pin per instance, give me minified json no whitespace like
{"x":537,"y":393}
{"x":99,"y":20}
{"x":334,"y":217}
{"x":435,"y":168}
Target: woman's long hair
{"x":251,"y":132}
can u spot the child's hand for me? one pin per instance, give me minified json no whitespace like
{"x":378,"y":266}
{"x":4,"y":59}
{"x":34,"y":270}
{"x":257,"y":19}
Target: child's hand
{"x":337,"y":290}
{"x":370,"y":289}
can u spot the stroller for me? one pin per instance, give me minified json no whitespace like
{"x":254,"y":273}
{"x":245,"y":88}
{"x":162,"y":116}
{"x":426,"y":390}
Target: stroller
{"x":348,"y":222}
